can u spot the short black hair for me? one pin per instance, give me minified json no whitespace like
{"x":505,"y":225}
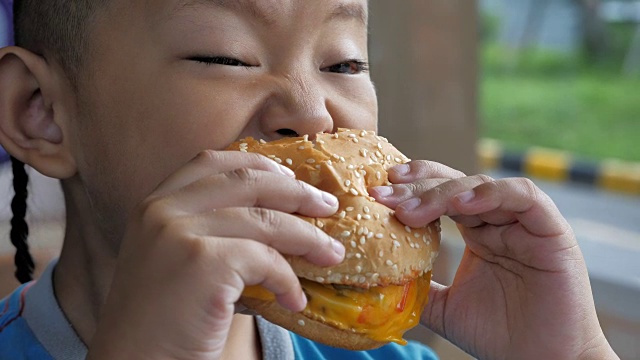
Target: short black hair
{"x":56,"y":29}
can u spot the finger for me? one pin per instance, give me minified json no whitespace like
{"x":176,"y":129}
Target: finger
{"x":247,"y":187}
{"x":433,"y":203}
{"x":394,"y":195}
{"x":519,"y":196}
{"x":255,"y":263}
{"x":421,"y":169}
{"x":210,"y":162}
{"x":286,"y":233}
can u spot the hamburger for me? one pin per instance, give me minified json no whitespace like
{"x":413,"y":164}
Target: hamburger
{"x":378,"y":292}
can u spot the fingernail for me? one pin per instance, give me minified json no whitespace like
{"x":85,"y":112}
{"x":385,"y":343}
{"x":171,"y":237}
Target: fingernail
{"x":338,"y":248}
{"x":411,"y":204}
{"x":384,"y":191}
{"x":303,"y":299}
{"x":285,"y":170}
{"x":466,"y":196}
{"x":402,"y":169}
{"x":329,"y":199}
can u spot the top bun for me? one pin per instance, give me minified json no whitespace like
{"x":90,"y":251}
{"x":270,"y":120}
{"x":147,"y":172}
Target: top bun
{"x":380,"y":250}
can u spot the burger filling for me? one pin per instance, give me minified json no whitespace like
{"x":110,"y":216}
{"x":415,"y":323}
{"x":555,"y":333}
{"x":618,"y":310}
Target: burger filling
{"x":383,"y":313}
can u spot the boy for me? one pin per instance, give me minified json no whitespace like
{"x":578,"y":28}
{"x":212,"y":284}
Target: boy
{"x":128,"y":102}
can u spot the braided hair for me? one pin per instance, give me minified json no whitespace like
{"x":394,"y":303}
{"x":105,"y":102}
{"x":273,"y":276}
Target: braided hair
{"x":19,"y":228}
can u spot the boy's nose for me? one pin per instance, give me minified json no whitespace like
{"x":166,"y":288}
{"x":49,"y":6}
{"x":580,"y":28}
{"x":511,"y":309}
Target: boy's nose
{"x":294,"y":108}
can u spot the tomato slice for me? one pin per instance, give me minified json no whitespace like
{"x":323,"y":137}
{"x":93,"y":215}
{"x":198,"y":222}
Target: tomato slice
{"x":405,"y":294}
{"x":366,"y":314}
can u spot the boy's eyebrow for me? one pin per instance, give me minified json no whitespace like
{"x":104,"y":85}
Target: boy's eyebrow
{"x":342,"y":11}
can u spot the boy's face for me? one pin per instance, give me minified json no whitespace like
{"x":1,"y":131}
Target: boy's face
{"x":168,"y":78}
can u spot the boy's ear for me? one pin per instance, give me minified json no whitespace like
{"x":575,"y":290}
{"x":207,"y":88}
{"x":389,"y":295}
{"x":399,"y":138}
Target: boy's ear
{"x":32,"y":113}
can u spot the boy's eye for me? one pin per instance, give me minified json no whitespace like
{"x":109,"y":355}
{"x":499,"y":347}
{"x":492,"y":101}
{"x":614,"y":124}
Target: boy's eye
{"x":218,"y":60}
{"x":350,"y":67}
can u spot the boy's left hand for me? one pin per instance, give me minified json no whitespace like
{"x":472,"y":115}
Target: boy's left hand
{"x":521,"y":290}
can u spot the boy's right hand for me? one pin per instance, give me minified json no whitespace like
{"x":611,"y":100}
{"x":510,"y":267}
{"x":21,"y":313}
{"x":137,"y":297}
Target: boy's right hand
{"x":216,"y":225}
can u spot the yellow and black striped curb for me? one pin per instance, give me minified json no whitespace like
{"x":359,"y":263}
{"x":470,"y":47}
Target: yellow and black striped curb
{"x":561,"y":166}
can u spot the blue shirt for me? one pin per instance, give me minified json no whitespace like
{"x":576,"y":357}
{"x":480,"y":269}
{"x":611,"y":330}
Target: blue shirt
{"x":33,"y":327}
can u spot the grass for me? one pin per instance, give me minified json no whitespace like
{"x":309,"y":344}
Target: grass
{"x":561,"y":102}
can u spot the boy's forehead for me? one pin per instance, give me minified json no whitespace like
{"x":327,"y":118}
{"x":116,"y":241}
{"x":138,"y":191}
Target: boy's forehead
{"x":267,"y":11}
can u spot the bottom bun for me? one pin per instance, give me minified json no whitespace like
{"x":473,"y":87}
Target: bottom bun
{"x":309,"y":328}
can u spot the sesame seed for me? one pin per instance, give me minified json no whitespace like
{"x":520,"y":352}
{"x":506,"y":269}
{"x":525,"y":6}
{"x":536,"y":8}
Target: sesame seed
{"x":346,"y":233}
{"x":335,"y":136}
{"x":358,"y":268}
{"x":363,"y":133}
{"x":305,"y":138}
{"x":352,"y":136}
{"x":278,"y":160}
{"x":301,"y":322}
{"x":244,"y":145}
{"x":357,"y":174}
{"x":370,"y":235}
{"x":329,"y":162}
{"x":243,"y":150}
{"x":393,"y":236}
{"x":318,"y":167}
{"x":347,"y":183}
{"x":413,"y":246}
{"x":320,"y":224}
{"x":354,"y":140}
{"x":359,"y":217}
{"x":416,"y":235}
{"x":381,"y":253}
{"x":389,"y":158}
{"x":366,"y":209}
{"x":350,"y":208}
{"x":351,"y":167}
{"x":350,"y":255}
{"x":311,"y":161}
{"x":362,"y":279}
{"x":301,"y":147}
{"x":320,"y":279}
{"x":379,"y":236}
{"x":353,"y":244}
{"x":396,"y":243}
{"x":377,"y":216}
{"x":320,"y":141}
{"x":398,"y":160}
{"x":289,"y":161}
{"x":408,"y":229}
{"x":375,"y":276}
{"x":379,"y":146}
{"x":360,"y":231}
{"x":363,"y":240}
{"x":363,"y":152}
{"x":262,"y":141}
{"x":353,"y":191}
{"x":378,"y":154}
{"x":342,"y":214}
{"x":395,"y":267}
{"x":378,"y":175}
{"x":366,"y":217}
{"x":358,"y":255}
{"x":366,"y":230}
{"x":389,"y":262}
{"x":336,"y":156}
{"x":342,"y":159}
{"x":272,"y":156}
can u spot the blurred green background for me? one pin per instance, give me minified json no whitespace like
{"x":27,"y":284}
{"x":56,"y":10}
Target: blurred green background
{"x":576,"y":97}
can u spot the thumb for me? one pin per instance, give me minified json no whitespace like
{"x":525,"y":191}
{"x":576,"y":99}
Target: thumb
{"x":433,"y":313}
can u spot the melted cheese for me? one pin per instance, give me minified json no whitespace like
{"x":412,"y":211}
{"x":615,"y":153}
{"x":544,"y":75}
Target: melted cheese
{"x":379,"y":312}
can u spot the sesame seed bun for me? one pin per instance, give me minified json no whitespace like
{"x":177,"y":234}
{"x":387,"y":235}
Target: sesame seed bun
{"x":380,"y":250}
